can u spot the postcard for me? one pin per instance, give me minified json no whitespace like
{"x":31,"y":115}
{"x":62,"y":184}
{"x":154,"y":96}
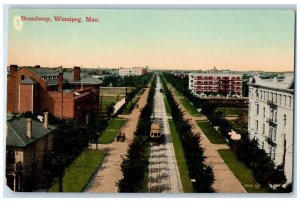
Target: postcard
{"x":150,"y":100}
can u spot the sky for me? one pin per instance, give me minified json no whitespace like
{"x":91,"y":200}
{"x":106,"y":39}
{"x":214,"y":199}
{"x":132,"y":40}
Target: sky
{"x":239,"y":40}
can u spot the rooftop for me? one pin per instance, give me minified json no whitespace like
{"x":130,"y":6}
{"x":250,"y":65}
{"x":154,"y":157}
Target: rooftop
{"x":17,"y":132}
{"x":50,"y":75}
{"x":286,"y":83}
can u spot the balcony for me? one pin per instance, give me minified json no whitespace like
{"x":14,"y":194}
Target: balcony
{"x":272,"y":104}
{"x":272,"y":122}
{"x":270,"y":142}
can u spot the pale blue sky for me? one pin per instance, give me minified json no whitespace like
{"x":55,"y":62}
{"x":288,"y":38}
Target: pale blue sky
{"x":185,"y":39}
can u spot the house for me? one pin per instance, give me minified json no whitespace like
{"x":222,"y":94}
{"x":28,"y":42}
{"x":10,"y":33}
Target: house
{"x":271,"y":118}
{"x":27,"y":141}
{"x":64,"y":93}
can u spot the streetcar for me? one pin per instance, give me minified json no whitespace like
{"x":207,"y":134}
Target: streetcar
{"x":155,"y":132}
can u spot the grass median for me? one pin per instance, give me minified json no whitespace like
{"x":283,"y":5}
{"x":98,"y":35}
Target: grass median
{"x":180,"y":158}
{"x":80,"y":172}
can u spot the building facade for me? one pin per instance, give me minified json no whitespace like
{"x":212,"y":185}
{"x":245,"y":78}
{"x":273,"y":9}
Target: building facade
{"x":64,"y":93}
{"x":270,"y":118}
{"x":134,"y":71}
{"x":27,"y":142}
{"x":215,"y":83}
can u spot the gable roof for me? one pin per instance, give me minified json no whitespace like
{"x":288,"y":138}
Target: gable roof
{"x":17,"y":132}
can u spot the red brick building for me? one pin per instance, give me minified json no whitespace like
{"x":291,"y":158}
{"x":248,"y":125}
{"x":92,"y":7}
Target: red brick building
{"x":64,"y":93}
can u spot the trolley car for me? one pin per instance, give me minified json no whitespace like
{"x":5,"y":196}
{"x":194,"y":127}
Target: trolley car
{"x":155,"y":132}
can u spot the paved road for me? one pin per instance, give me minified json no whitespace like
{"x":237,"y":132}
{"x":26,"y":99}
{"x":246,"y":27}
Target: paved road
{"x":164,"y":176}
{"x":110,"y":172}
{"x":225,"y":180}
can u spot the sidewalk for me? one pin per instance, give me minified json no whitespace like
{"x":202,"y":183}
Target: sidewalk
{"x":225,"y":180}
{"x":105,"y":181}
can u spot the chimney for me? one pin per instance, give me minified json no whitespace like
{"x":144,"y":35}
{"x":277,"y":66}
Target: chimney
{"x":13,"y":69}
{"x":29,"y":128}
{"x":37,"y":66}
{"x":76,"y":73}
{"x":60,"y":79}
{"x":46,"y":120}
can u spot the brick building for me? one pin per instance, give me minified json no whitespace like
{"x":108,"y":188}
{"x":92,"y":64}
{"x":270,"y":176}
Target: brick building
{"x":215,"y":83}
{"x":64,"y":93}
{"x":27,"y":141}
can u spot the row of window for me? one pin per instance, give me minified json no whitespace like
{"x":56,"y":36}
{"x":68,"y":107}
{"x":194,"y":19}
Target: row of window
{"x":277,"y":98}
{"x":215,"y":83}
{"x":217,"y":87}
{"x":218,"y":77}
{"x":272,"y":116}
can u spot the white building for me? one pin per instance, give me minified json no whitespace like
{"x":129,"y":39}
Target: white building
{"x":270,"y":119}
{"x":136,"y":71}
{"x":215,"y":83}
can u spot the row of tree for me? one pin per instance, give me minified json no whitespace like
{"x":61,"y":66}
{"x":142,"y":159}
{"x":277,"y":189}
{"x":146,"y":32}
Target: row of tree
{"x":264,"y":170}
{"x":128,"y":81}
{"x":201,"y":174}
{"x":135,"y":164}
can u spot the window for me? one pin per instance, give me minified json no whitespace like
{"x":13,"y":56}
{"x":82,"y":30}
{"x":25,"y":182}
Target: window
{"x":256,"y":128}
{"x":11,"y":156}
{"x":280,"y":99}
{"x":22,"y":77}
{"x":264,"y":112}
{"x":290,"y":101}
{"x":273,"y":154}
{"x":262,"y":145}
{"x":257,"y":109}
{"x":271,"y":98}
{"x":263,"y":128}
{"x":284,"y":120}
{"x":275,"y":97}
{"x":284,"y":100}
{"x":272,"y":134}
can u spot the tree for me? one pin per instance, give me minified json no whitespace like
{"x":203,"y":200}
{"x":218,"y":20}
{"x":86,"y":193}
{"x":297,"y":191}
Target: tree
{"x":277,"y":176}
{"x":69,"y":140}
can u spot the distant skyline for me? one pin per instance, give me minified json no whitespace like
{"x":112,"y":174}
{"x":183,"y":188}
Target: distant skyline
{"x":239,"y":40}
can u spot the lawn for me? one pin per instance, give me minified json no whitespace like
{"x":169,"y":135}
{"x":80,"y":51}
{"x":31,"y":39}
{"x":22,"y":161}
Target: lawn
{"x":181,"y":163}
{"x":168,"y":109}
{"x":113,"y":128}
{"x":80,"y":172}
{"x":241,"y":171}
{"x":211,"y":133}
{"x":108,"y":100}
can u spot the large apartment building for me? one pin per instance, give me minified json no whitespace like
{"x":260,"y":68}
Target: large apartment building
{"x":134,"y":71}
{"x":215,"y":83}
{"x":270,"y":118}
